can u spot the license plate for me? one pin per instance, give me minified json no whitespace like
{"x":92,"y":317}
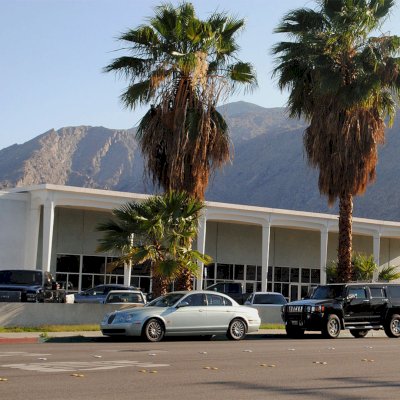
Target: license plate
{"x":294,"y":322}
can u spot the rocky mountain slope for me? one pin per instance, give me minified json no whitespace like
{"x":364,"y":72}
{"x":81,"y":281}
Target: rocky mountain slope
{"x":269,"y":167}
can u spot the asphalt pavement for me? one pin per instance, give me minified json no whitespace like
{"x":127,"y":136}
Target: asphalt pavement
{"x":40,"y":337}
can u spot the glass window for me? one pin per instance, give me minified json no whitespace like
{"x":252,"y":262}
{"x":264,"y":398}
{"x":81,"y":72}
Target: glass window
{"x":239,"y":272}
{"x":294,"y":274}
{"x":377,"y":292}
{"x":277,"y":287}
{"x":315,"y":276}
{"x":269,"y":298}
{"x":195,"y":300}
{"x":305,"y":275}
{"x":304,"y":290}
{"x":251,"y":273}
{"x":359,"y":293}
{"x":259,"y":269}
{"x":269,"y":287}
{"x":224,"y":271}
{"x":141,"y":269}
{"x":68,"y":263}
{"x":93,"y":264}
{"x":215,"y":300}
{"x":285,"y":290}
{"x":210,"y":268}
{"x":269,"y":274}
{"x":294,"y":292}
{"x":277,"y":274}
{"x":285,"y":275}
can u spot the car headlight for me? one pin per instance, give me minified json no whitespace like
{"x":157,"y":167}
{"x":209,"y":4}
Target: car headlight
{"x":124,"y":318}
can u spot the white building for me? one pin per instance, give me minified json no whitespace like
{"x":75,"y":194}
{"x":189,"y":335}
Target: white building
{"x":53,"y":228}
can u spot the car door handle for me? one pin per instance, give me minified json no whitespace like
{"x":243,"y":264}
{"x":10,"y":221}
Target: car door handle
{"x":365,"y":301}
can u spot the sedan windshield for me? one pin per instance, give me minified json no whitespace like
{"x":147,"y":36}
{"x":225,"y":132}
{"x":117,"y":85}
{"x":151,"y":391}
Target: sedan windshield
{"x":327,"y":292}
{"x":165,"y":301}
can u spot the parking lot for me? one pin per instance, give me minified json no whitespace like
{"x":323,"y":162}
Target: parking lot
{"x":260,"y":367}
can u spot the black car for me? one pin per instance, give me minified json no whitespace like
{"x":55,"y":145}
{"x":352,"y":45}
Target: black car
{"x":99,"y":293}
{"x":358,"y":307}
{"x":21,"y":285}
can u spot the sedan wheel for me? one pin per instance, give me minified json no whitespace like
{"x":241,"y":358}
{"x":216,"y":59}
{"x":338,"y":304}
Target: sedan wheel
{"x":154,"y":330}
{"x":237,"y":329}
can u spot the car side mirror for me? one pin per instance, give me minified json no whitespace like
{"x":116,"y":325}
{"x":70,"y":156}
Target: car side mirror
{"x":182,"y":304}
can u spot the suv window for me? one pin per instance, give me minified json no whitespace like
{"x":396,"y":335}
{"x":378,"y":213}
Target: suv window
{"x":359,"y":293}
{"x":377,"y":292}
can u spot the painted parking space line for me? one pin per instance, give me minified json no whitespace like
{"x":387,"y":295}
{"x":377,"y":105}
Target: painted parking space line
{"x":63,"y":366}
{"x":22,"y":353}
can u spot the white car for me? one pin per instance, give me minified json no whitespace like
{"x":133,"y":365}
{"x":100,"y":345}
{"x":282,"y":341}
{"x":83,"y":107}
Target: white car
{"x":266,"y":299}
{"x":198,"y":312}
{"x":131,"y":297}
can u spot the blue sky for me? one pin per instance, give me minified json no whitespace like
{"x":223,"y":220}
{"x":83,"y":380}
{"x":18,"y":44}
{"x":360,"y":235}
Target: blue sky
{"x":53,"y":52}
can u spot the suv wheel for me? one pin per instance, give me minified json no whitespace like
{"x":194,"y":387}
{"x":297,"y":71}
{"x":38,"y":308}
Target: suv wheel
{"x":331,"y":329}
{"x":359,"y":333}
{"x":293,"y":332}
{"x":392,"y":326}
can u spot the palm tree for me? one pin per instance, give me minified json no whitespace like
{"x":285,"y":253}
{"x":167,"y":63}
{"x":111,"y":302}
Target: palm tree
{"x":343,"y":81}
{"x":182,"y":66}
{"x":159,"y":230}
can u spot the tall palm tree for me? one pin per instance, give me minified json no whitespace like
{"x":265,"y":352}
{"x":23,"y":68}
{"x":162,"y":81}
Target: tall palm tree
{"x":344,"y":82}
{"x":181,"y":66}
{"x":159,"y":230}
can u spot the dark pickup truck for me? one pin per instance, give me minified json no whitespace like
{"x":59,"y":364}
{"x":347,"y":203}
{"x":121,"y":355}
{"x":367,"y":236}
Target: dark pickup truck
{"x":17,"y":285}
{"x":358,"y":307}
{"x":235,"y":290}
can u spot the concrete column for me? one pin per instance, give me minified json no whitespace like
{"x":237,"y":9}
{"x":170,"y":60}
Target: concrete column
{"x":127,"y":273}
{"x":201,"y":247}
{"x":128,"y":266}
{"x":32,"y":235}
{"x":48,"y":223}
{"x":266,"y":231}
{"x":376,"y":250}
{"x":323,"y":254}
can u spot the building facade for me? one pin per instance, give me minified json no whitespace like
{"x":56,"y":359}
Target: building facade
{"x":53,"y":228}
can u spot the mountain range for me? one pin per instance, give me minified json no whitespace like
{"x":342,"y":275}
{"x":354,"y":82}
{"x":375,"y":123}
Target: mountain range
{"x":268,"y":167}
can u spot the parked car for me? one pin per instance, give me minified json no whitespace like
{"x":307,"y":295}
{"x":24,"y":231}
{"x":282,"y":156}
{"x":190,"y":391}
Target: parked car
{"x":99,"y":293}
{"x":21,"y":285}
{"x":126,"y":297}
{"x":235,"y":290}
{"x":266,"y":299}
{"x":183,"y":314}
{"x":358,"y":307}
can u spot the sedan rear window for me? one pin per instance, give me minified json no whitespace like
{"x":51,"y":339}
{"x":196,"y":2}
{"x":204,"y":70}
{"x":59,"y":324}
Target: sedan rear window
{"x":265,"y":298}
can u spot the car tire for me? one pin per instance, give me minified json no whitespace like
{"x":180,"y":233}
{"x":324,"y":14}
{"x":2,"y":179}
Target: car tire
{"x":392,"y":326}
{"x":154,"y":330}
{"x":331,"y":329}
{"x":294,"y":332}
{"x":359,"y":333}
{"x":237,"y":329}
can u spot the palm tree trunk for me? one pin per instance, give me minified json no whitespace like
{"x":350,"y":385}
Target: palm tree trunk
{"x":184,"y":281}
{"x":345,"y":268}
{"x":160,"y":286}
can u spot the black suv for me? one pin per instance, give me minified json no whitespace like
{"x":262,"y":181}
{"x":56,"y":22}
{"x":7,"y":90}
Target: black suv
{"x":358,"y":307}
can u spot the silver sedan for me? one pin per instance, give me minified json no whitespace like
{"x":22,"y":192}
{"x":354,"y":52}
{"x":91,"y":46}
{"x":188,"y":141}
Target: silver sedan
{"x":183,"y":314}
